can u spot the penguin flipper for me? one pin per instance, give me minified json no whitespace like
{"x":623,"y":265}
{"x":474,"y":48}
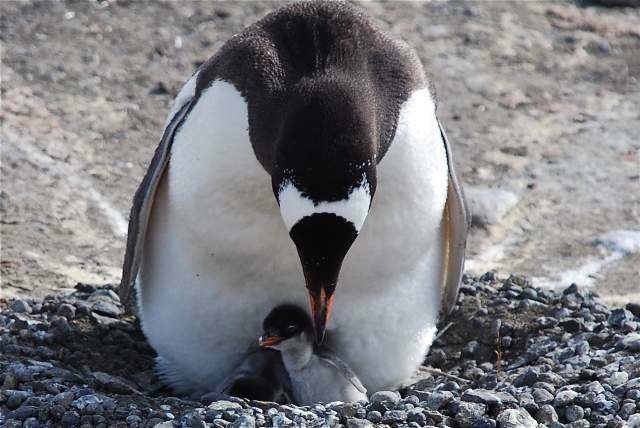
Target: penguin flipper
{"x":143,"y":204}
{"x":456,"y":223}
{"x":260,"y":376}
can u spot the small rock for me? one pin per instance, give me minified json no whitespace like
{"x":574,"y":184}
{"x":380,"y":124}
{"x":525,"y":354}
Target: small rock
{"x":618,"y":378}
{"x":546,"y":414}
{"x":471,"y":349}
{"x":133,"y":419}
{"x":417,"y":416}
{"x":526,"y":378}
{"x":222,"y":405}
{"x":547,"y":322}
{"x":630,"y":341}
{"x":394,"y":417}
{"x":469,"y":413}
{"x":70,"y":419}
{"x":439,"y":399}
{"x":85,"y":288}
{"x":564,"y":398}
{"x":573,"y":413}
{"x":15,"y":398}
{"x":159,"y":89}
{"x":506,"y":398}
{"x":345,"y":410}
{"x":374,"y":416}
{"x":67,"y":310}
{"x":23,"y":412}
{"x":573,"y":325}
{"x":603,"y":405}
{"x":595,"y":387}
{"x":481,"y":396}
{"x":31,"y":423}
{"x":244,"y":421}
{"x":618,"y":317}
{"x":571,"y":289}
{"x":359,"y":423}
{"x":20,"y":306}
{"x":385,"y":397}
{"x":516,"y":418}
{"x":542,"y":396}
{"x":412,"y":399}
{"x":634,"y":420}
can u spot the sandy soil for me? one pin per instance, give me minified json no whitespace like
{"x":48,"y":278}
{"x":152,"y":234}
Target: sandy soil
{"x":541,"y":101}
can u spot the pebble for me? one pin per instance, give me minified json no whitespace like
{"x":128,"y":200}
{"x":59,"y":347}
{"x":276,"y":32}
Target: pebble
{"x":359,"y":423}
{"x":394,"y":417}
{"x":634,"y":420}
{"x":469,"y":413}
{"x":439,"y":399}
{"x":618,"y":378}
{"x":417,"y":416}
{"x":20,"y":306}
{"x":527,"y":378}
{"x":385,"y":397}
{"x":564,"y":398}
{"x":516,"y":418}
{"x":374,"y":416}
{"x":619,"y":316}
{"x":67,"y":310}
{"x":542,"y":396}
{"x":481,"y":396}
{"x":547,"y":414}
{"x":573,"y":413}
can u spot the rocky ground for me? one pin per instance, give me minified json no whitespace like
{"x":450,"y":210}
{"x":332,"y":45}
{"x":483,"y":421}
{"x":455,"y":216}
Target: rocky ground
{"x":511,"y":355}
{"x":540,"y":99}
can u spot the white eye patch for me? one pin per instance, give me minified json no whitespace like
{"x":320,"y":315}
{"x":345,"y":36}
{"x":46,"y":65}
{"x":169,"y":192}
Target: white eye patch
{"x":294,"y":206}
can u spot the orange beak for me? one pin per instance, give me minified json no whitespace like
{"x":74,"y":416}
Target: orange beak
{"x":269,"y":341}
{"x":320,"y":305}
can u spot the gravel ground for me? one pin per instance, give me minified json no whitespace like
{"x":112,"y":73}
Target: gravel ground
{"x":541,"y":102}
{"x":511,"y":355}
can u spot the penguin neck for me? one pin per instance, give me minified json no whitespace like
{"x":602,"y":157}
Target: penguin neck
{"x":296,"y":353}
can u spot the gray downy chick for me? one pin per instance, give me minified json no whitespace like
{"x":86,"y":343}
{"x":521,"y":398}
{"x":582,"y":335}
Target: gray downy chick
{"x":317,"y":374}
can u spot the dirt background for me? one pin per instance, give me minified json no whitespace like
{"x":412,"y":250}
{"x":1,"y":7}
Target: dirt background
{"x":541,"y":101}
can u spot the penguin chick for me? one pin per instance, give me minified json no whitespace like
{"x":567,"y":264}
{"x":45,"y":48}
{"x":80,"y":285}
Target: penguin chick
{"x":316,"y":374}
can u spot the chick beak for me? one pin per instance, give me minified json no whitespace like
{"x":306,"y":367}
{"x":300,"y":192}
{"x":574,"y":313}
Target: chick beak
{"x":267,"y":341}
{"x":321,"y":304}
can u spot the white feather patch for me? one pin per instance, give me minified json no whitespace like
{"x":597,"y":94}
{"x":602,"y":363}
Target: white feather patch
{"x":294,"y":205}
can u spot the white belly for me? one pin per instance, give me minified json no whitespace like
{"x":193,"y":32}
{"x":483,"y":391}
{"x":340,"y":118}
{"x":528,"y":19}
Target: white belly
{"x":218,"y":257}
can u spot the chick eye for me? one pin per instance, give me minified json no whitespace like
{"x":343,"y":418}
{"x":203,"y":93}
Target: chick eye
{"x":291,"y":328}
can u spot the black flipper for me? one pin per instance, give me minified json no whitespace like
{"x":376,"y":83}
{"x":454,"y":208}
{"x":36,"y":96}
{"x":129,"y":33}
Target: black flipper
{"x":456,"y":223}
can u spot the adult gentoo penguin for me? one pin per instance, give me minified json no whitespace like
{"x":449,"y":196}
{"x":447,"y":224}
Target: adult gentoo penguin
{"x":303,"y":162}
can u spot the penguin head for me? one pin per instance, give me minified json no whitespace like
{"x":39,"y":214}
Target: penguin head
{"x":324,"y":179}
{"x":284,"y":323}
